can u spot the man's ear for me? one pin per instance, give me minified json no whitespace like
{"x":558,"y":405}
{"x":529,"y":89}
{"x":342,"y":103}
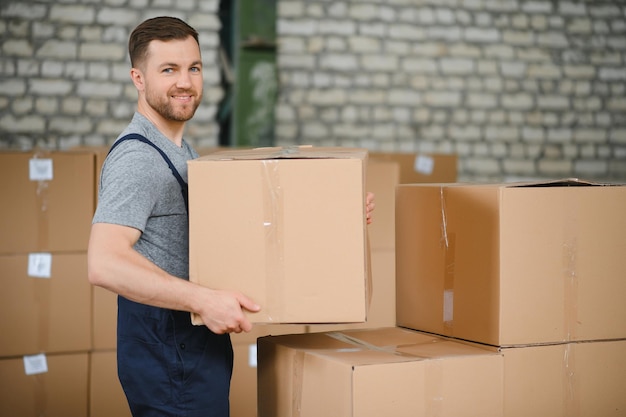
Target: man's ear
{"x":137,"y":77}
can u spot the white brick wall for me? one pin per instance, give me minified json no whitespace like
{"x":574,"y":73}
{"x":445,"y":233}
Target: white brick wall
{"x":517,"y":88}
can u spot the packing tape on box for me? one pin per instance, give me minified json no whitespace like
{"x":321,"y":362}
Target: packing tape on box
{"x":363,"y":345}
{"x":274,"y":237}
{"x":43,"y":218}
{"x":298,"y":377}
{"x":570,"y":258}
{"x":36,"y":368}
{"x":40,"y":268}
{"x":433,"y":388}
{"x":571,"y":393}
{"x":41,"y":171}
{"x":433,"y":391}
{"x":448,"y":242}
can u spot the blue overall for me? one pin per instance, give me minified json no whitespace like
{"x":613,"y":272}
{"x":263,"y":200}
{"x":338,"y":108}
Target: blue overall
{"x":169,"y":367}
{"x":166,"y":365}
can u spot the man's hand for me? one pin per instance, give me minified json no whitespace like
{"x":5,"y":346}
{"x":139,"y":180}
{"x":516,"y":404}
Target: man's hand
{"x":223,"y":311}
{"x":369,"y":206}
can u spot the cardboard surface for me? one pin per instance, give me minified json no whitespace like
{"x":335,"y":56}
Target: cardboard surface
{"x":508,"y":264}
{"x":422,"y":167}
{"x":106,"y":397}
{"x":284,"y":226}
{"x":573,"y":379}
{"x":376,"y":372}
{"x":48,"y":201}
{"x":60,"y":391}
{"x":45,"y":314}
{"x":381,"y":179}
{"x":243,"y":384}
{"x":104,"y":319}
{"x":382,"y":307}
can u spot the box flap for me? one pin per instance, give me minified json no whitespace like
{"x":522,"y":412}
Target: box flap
{"x":564,"y":182}
{"x":289,"y":152}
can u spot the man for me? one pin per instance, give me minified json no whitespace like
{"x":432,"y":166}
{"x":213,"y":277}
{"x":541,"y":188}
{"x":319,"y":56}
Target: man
{"x":139,"y":240}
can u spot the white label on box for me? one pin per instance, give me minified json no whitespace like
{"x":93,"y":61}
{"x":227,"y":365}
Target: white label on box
{"x":448,"y":306}
{"x":40,"y":265}
{"x":424,"y":164}
{"x":252,"y":356}
{"x":40,"y":169}
{"x":35,"y":364}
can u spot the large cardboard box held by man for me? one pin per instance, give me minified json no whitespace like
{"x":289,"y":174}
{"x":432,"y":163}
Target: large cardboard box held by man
{"x":512,"y":264}
{"x":285,"y":226}
{"x":376,"y":372}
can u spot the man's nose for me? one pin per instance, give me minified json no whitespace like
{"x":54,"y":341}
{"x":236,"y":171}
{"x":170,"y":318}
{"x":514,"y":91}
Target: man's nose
{"x":184,"y":80}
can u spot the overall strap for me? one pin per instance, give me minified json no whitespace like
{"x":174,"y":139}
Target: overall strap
{"x":183,"y":185}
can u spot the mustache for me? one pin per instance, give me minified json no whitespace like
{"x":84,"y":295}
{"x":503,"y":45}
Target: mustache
{"x":189,"y":92}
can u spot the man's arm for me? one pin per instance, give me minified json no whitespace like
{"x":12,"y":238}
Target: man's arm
{"x":114,"y":264}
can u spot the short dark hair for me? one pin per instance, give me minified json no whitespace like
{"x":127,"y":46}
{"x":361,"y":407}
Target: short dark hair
{"x":162,"y":28}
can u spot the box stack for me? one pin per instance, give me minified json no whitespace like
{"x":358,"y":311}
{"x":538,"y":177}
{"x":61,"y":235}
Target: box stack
{"x":106,"y":397}
{"x":324,"y":190}
{"x":57,"y":354}
{"x":271,"y":206}
{"x":45,"y":303}
{"x":534,"y":271}
{"x":384,"y":172}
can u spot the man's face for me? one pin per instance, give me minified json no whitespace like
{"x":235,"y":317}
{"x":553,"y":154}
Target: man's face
{"x":173,"y":78}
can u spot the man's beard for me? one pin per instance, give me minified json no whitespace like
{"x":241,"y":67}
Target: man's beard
{"x":177,"y":113}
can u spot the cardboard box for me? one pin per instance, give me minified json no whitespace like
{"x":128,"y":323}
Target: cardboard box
{"x":382,"y":307}
{"x":56,"y":388}
{"x":99,"y":153}
{"x":104,"y":319}
{"x":284,"y":226}
{"x":512,"y":264}
{"x":376,"y":372}
{"x":106,"y":397}
{"x":382,"y":179}
{"x":45,"y":304}
{"x":422,"y":167}
{"x":583,"y":379}
{"x":48,"y":201}
{"x":243,"y":384}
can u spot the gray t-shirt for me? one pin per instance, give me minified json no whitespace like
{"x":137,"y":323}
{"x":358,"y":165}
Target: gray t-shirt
{"x":137,"y":189}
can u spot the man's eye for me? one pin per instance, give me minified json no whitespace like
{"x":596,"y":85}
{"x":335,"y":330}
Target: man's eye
{"x":168,"y":70}
{"x":195,"y":69}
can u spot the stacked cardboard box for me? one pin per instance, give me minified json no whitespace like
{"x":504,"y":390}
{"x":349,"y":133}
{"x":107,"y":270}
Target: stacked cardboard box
{"x":383,"y":174}
{"x":236,"y":199}
{"x":57,"y":353}
{"x":106,"y":397}
{"x":534,"y":271}
{"x":376,"y":372}
{"x":243,"y":385}
{"x":45,"y":305}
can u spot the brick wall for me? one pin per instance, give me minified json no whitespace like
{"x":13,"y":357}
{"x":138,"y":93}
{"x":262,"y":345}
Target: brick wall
{"x":517,"y":88}
{"x":65,"y":74}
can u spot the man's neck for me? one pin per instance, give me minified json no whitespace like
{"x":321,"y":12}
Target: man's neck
{"x":170,"y":129}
